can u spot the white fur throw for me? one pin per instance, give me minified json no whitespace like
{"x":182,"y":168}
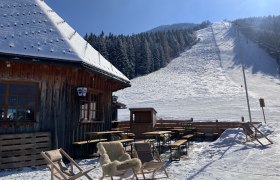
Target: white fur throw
{"x":114,"y":160}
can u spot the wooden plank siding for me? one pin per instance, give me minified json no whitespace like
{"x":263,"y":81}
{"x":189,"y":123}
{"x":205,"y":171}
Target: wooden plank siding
{"x":20,"y":150}
{"x":58,"y":105}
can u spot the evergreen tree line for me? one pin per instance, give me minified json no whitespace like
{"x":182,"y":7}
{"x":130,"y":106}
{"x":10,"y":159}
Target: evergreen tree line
{"x":263,"y":30}
{"x":136,"y":55}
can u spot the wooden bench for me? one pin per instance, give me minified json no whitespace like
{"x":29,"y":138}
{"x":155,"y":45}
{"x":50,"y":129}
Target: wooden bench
{"x":81,"y":143}
{"x":178,"y":145}
{"x":123,"y":141}
{"x":200,"y":136}
{"x":215,"y":136}
{"x":88,"y":142}
{"x":146,"y":140}
{"x":189,"y":137}
{"x":128,"y":135}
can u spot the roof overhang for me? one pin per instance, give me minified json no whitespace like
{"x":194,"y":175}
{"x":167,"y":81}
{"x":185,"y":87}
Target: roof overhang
{"x":62,"y":62}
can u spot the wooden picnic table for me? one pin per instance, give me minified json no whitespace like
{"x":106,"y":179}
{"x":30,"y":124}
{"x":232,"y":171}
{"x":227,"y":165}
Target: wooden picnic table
{"x":126,"y":133}
{"x":157,"y":135}
{"x":178,"y":132}
{"x":191,"y":128}
{"x":97,"y":135}
{"x":103,"y":133}
{"x":92,"y":136}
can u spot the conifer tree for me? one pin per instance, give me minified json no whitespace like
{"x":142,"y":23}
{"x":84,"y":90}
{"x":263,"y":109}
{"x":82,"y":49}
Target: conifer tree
{"x":142,"y":53}
{"x":121,"y":60}
{"x":101,"y":46}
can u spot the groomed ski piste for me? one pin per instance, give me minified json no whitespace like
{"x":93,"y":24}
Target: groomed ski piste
{"x":206,"y":83}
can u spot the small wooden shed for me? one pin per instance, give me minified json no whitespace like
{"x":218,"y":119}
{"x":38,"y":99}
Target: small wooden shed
{"x":142,"y":120}
{"x":51,"y":79}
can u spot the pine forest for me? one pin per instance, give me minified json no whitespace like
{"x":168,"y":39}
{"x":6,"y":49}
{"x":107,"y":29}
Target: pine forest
{"x":140,"y":54}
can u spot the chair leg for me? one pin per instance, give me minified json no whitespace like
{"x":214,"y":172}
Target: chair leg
{"x":102,"y":176}
{"x":153,"y":175}
{"x":165,"y":172}
{"x":52,"y":173}
{"x":143,"y":174}
{"x":88,"y":176}
{"x":134,"y":174}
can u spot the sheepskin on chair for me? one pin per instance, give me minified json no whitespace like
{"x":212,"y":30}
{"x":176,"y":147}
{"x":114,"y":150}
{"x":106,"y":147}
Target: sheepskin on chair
{"x":114,"y":160}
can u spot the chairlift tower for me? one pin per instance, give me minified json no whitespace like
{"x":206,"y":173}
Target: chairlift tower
{"x":244,"y":76}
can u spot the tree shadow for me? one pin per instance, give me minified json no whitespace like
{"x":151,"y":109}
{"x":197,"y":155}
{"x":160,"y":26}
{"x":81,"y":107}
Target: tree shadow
{"x":252,"y":56}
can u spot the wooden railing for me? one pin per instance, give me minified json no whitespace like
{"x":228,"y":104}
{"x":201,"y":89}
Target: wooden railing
{"x":200,"y":126}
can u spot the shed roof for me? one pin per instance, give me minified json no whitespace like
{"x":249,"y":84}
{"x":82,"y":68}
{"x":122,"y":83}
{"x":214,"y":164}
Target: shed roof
{"x":30,"y":28}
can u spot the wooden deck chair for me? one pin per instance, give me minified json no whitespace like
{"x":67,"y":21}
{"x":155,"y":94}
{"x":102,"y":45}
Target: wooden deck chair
{"x":151,"y":162}
{"x":116,"y":162}
{"x":58,"y":168}
{"x":247,"y":128}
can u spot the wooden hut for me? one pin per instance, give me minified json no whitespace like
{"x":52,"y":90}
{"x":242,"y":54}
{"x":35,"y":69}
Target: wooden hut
{"x":51,"y":79}
{"x":142,"y":120}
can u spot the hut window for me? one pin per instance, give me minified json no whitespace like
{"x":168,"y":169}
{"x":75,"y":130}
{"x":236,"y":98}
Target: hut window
{"x":89,"y":107}
{"x":17,"y":101}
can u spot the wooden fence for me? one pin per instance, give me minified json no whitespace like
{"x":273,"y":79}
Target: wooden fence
{"x":21,"y":150}
{"x":200,"y":126}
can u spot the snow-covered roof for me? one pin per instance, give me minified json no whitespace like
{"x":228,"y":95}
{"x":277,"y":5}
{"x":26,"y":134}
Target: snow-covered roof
{"x":32,"y":28}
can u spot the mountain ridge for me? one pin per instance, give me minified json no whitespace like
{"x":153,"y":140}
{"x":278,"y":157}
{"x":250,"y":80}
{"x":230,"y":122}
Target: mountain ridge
{"x":176,"y":26}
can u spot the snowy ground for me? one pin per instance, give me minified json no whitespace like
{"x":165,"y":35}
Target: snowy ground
{"x":205,"y":83}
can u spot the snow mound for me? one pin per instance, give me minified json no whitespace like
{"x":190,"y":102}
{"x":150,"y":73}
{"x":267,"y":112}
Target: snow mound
{"x":230,"y":137}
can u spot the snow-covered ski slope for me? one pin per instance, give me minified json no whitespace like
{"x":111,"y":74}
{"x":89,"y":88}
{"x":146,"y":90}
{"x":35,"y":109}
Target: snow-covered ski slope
{"x":206,"y":81}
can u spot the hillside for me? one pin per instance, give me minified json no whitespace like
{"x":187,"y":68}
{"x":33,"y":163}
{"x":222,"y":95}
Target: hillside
{"x":178,"y":26}
{"x":206,"y":81}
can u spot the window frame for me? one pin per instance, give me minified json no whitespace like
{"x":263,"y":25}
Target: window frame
{"x":98,"y":110}
{"x":7,"y":95}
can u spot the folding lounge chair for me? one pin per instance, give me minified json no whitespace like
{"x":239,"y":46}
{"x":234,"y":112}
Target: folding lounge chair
{"x":116,"y":162}
{"x":247,"y":128}
{"x":58,"y":168}
{"x":150,"y":163}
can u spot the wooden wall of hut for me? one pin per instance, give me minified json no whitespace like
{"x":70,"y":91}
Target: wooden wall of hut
{"x":58,"y":103}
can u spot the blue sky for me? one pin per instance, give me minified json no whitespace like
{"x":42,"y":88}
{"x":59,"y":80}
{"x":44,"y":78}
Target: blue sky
{"x":134,"y":16}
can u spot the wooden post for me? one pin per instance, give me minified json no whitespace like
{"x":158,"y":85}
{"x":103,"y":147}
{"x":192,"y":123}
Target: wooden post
{"x":263,"y":115}
{"x":261,"y":100}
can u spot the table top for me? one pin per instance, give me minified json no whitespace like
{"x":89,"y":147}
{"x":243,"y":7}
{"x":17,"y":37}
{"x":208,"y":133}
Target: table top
{"x":156,"y":133}
{"x":177,"y":129}
{"x":103,"y":132}
{"x":190,"y":128}
{"x":123,"y":140}
{"x":121,"y":129}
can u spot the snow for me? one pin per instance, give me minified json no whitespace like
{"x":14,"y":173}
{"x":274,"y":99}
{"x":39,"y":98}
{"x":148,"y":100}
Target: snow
{"x":205,"y":83}
{"x":32,"y":28}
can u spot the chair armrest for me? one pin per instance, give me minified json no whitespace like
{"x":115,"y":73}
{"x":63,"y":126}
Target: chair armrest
{"x":124,"y":157}
{"x":104,"y":159}
{"x":131,"y":163}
